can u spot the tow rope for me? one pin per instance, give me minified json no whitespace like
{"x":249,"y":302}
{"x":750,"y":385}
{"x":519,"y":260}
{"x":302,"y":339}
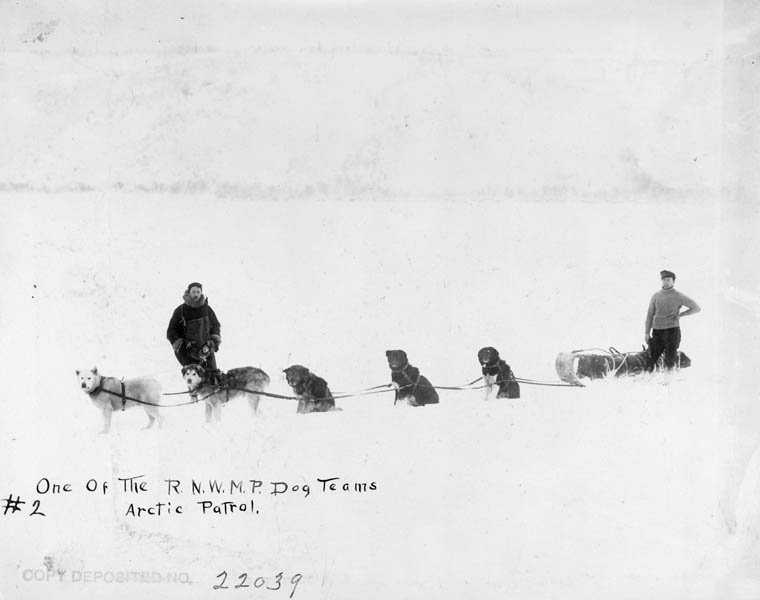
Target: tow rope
{"x":378,"y":389}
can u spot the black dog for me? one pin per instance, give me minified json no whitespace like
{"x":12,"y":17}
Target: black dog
{"x":313,"y":393}
{"x":496,"y":371}
{"x":411,"y":387}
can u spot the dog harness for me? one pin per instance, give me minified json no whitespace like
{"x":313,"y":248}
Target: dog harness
{"x":499,"y":370}
{"x":413,"y":384}
{"x":123,"y":394}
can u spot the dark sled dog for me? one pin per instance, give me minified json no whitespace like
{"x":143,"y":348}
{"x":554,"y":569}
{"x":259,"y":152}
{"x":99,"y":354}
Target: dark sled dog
{"x":236,"y":383}
{"x":497,"y":372}
{"x":411,"y":387}
{"x":312,"y":391}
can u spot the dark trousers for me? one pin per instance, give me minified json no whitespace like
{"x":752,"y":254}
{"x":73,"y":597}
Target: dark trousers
{"x":667,"y":341}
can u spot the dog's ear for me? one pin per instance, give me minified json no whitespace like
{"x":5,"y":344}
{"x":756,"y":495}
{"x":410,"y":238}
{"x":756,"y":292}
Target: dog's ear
{"x":77,"y":372}
{"x":94,"y":370}
{"x":388,"y":352}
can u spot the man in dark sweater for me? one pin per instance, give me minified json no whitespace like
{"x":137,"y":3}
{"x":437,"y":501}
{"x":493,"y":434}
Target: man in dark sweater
{"x":194,"y":331}
{"x":661,"y":329}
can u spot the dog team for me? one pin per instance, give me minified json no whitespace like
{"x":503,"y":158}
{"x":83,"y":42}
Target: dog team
{"x":110,"y":394}
{"x":195,"y":335}
{"x":194,"y":332}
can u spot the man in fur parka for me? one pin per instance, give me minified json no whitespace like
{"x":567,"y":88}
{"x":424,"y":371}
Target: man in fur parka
{"x":194,"y":331}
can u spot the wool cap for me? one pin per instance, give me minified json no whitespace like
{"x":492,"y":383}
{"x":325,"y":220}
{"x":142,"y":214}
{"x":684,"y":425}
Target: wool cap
{"x":664,"y":274}
{"x":194,"y":284}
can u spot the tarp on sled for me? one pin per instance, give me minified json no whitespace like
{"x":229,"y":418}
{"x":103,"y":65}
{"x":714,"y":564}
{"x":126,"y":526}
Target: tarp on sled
{"x":597,"y":363}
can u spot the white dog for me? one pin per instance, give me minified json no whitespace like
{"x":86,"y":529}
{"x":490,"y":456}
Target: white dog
{"x":110,"y":394}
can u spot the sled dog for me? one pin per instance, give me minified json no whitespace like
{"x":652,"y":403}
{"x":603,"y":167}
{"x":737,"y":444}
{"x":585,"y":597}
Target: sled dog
{"x":411,"y":387}
{"x":110,"y":394}
{"x":233,"y":384}
{"x":496,"y":371}
{"x":312,"y":391}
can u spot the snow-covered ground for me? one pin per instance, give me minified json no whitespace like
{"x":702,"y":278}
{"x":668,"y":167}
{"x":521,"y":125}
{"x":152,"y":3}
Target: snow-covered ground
{"x":609,"y":492}
{"x":345,"y":181}
{"x":613,"y":490}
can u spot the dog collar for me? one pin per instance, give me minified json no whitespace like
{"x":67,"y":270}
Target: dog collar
{"x":97,"y":389}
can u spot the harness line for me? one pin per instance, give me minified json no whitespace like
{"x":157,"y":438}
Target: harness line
{"x":378,"y":389}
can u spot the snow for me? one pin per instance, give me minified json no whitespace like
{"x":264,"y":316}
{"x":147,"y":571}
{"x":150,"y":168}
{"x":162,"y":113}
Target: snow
{"x":611,"y":490}
{"x":345,"y":181}
{"x":579,"y":488}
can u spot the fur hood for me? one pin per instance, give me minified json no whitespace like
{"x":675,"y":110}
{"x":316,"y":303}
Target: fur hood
{"x":201,"y":301}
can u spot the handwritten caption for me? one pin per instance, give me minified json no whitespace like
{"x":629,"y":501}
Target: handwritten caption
{"x":220,"y":496}
{"x":274,"y":584}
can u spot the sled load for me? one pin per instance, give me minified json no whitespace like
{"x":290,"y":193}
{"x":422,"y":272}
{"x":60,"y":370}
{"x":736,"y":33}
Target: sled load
{"x":597,"y":363}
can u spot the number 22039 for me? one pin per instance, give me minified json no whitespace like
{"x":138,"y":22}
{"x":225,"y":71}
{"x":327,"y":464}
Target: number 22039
{"x":272,"y":583}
